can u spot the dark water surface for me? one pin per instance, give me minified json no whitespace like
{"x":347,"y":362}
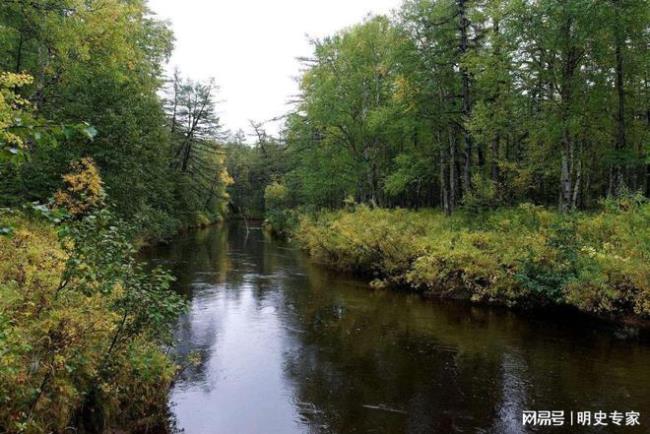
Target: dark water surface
{"x":288,"y":347}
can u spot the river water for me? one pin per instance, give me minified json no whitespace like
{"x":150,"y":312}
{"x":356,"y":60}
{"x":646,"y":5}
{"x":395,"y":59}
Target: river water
{"x":285,"y":346}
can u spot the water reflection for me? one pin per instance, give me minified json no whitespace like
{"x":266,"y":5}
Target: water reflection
{"x":288,"y":347}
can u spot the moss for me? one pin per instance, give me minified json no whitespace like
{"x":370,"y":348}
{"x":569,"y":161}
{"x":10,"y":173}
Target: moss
{"x":596,"y":262}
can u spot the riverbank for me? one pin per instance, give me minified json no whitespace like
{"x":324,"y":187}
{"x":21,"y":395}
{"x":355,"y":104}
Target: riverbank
{"x":293,"y":347}
{"x":527,"y":257}
{"x":145,"y":239}
{"x":81,"y":327}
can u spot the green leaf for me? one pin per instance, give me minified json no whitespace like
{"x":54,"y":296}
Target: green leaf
{"x":90,"y":132}
{"x":68,"y":132}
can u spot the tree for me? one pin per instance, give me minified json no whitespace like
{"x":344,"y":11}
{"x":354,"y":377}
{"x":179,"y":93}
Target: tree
{"x":197,"y":156}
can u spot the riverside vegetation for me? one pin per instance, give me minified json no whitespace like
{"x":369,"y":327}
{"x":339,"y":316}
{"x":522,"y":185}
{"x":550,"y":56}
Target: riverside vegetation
{"x":495,"y":150}
{"x":525,"y":256}
{"x":82,"y":323}
{"x":99,"y":152}
{"x":512,"y":135}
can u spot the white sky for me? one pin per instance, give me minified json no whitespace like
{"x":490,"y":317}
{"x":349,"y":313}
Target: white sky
{"x":250,"y":47}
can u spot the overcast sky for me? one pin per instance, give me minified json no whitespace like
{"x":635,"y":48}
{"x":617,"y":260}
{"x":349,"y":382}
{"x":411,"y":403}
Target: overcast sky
{"x":250,"y":46}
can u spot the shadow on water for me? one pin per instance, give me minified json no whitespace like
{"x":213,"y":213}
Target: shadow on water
{"x":288,"y":347}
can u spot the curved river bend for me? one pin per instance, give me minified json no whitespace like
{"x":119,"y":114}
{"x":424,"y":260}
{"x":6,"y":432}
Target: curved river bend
{"x":287,"y":347}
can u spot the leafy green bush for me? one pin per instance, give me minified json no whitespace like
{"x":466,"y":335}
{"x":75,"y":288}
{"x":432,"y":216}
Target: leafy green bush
{"x":279,"y":219}
{"x":81,"y":324}
{"x":599,"y":263}
{"x":483,"y":196}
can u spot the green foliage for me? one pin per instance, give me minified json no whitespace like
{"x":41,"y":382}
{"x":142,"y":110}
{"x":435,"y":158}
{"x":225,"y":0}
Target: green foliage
{"x":279,"y":218}
{"x":92,"y":75}
{"x":476,"y":104}
{"x":11,"y":115}
{"x":80,"y":325}
{"x":276,"y":196}
{"x":354,"y":115}
{"x":526,"y":255}
{"x":252,"y":168}
{"x":546,"y":277}
{"x":483,"y":196}
{"x":197,"y":159}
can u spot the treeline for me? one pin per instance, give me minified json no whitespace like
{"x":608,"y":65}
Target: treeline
{"x":97,"y":149}
{"x":454,"y":103}
{"x":85,"y":79}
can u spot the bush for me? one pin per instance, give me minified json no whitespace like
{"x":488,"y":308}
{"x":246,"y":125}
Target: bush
{"x":599,"y":263}
{"x":482,"y":197}
{"x":84,"y":189}
{"x":81,"y":324}
{"x":279,"y":219}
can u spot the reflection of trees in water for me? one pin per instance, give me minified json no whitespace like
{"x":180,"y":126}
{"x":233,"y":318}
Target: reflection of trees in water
{"x":199,"y":257}
{"x":362,"y":365}
{"x":383,"y":362}
{"x":200,"y":262}
{"x":380,"y":362}
{"x":363,"y":361}
{"x":384,"y":379}
{"x":194,"y":338}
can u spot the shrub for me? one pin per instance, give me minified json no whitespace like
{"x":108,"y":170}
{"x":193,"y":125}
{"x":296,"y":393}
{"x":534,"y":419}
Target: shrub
{"x":599,"y":263}
{"x":81,"y":324}
{"x":483,"y":196}
{"x":84,"y":189}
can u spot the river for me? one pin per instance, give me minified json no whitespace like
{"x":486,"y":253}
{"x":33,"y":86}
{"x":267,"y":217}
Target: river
{"x":285,"y":346}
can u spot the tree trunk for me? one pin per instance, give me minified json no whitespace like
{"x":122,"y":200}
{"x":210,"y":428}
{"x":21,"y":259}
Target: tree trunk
{"x":19,"y":53}
{"x":465,"y":96}
{"x":186,"y":156}
{"x":444,"y":191}
{"x":570,"y":63}
{"x":565,"y":181}
{"x":453,"y":194}
{"x":576,"y":187}
{"x":494,"y":146}
{"x":495,"y":158}
{"x":620,"y":145}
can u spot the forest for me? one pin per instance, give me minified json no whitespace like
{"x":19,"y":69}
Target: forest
{"x":496,"y":151}
{"x":455,"y":104}
{"x":100,"y":152}
{"x":490,"y":150}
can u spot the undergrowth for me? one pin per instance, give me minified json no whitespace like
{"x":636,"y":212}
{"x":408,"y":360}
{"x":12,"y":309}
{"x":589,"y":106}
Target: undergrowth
{"x":528,"y":255}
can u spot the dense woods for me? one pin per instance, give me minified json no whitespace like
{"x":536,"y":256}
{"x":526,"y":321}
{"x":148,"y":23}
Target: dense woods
{"x":98,"y":150}
{"x":494,"y":150}
{"x":89,"y":76}
{"x":454,"y":103}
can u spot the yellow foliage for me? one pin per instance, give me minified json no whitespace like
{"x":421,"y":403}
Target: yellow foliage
{"x":84,"y":189}
{"x":225,"y":179}
{"x":505,"y":256}
{"x":10,"y":105}
{"x":53,"y":344}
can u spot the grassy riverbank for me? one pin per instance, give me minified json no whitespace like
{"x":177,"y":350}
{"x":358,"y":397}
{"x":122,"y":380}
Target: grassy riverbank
{"x":80,"y":328}
{"x":527,"y":256}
